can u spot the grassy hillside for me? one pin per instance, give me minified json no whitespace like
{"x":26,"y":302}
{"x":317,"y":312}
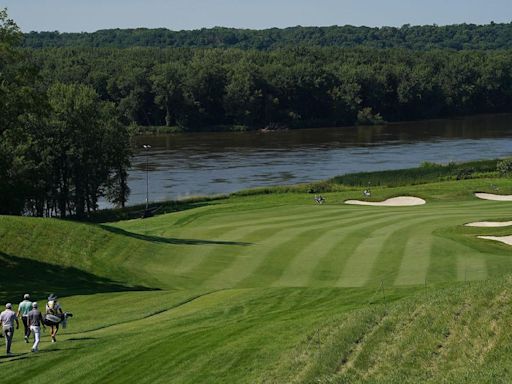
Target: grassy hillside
{"x":273,"y":289}
{"x":281,"y":335}
{"x":281,"y":241}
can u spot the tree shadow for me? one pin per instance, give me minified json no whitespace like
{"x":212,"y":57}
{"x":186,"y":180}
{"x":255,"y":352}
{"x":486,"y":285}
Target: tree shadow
{"x":161,"y":208}
{"x":170,"y":240}
{"x":20,"y":275}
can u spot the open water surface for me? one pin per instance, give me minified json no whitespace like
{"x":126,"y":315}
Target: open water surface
{"x":181,"y":165}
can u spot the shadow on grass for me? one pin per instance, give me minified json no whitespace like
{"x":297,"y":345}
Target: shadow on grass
{"x":168,"y":240}
{"x":20,"y":275}
{"x":161,"y":208}
{"x":15,"y":357}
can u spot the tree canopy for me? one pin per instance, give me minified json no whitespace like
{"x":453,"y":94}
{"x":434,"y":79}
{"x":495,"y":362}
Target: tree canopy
{"x":200,"y":89}
{"x":61,"y":146}
{"x":455,"y":37}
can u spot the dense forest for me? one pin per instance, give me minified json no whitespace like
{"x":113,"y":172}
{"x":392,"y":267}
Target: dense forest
{"x":455,"y":37}
{"x":202,"y":89}
{"x":62,"y":147}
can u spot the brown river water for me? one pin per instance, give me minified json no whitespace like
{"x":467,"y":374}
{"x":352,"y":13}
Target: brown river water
{"x":182,"y":165}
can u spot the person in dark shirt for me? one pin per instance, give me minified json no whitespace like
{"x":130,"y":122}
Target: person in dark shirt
{"x":35,"y":320}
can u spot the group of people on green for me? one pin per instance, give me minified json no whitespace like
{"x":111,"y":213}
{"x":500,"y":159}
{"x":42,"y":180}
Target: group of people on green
{"x":32,"y":320}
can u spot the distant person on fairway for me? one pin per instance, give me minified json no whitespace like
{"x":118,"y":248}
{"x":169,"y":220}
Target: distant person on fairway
{"x":35,"y":320}
{"x":23,"y":309}
{"x":53,"y":308}
{"x":319,"y":199}
{"x":7,"y":319}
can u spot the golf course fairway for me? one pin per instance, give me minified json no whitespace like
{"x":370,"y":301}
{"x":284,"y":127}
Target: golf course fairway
{"x":272,"y":288}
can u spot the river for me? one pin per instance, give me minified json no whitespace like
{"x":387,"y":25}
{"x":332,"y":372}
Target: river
{"x":183,"y":165}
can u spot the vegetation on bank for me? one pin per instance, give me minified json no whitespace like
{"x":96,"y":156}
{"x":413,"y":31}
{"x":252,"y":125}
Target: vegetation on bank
{"x":196,"y":89}
{"x":455,"y":37}
{"x":426,"y":173}
{"x":61,"y":146}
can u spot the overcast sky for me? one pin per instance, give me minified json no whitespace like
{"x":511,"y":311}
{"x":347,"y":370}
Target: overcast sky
{"x":91,"y":15}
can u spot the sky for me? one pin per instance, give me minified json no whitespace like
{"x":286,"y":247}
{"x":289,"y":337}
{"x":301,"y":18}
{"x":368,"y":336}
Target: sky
{"x":91,"y":15}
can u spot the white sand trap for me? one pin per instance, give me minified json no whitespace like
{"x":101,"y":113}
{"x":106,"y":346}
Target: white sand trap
{"x":502,"y":239}
{"x":489,"y":224}
{"x":491,"y":196}
{"x":400,"y":201}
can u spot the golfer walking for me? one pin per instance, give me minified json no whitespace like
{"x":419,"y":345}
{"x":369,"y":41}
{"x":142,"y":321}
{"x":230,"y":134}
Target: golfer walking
{"x":53,"y":308}
{"x":35,"y":320}
{"x":7,"y":319}
{"x":23,"y":309}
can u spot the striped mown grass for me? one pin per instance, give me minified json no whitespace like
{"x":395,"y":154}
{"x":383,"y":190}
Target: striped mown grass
{"x":272,"y":288}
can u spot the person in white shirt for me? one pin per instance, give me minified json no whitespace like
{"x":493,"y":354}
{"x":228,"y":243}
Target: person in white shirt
{"x":7,"y":319}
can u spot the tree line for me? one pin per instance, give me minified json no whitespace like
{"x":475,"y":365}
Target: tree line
{"x":213,"y":88}
{"x":457,"y":37}
{"x":62,"y":147}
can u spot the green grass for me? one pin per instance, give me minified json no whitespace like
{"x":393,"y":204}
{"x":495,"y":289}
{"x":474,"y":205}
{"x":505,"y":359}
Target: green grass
{"x":272,"y":288}
{"x":427,"y":173}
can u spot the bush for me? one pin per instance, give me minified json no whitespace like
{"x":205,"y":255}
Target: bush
{"x":465,"y":173}
{"x":366,"y":116}
{"x":504,"y":167}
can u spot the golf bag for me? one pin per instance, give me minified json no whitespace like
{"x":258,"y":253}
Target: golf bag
{"x":52,"y":320}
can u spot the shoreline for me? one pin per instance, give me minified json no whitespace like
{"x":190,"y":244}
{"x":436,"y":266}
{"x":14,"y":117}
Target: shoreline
{"x":142,"y":131}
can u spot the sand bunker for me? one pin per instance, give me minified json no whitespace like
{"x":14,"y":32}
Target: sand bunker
{"x":489,"y":224}
{"x":491,"y":196}
{"x":502,"y":239}
{"x":400,"y":201}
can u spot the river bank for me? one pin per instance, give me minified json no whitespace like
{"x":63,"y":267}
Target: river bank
{"x":142,"y":130}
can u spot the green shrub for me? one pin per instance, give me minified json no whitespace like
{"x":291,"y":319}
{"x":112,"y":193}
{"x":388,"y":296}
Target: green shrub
{"x":504,"y":167}
{"x":366,"y":116}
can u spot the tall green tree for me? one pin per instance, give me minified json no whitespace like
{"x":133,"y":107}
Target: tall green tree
{"x":62,"y":148}
{"x":167,"y":85}
{"x":90,"y":150}
{"x":21,"y":100}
